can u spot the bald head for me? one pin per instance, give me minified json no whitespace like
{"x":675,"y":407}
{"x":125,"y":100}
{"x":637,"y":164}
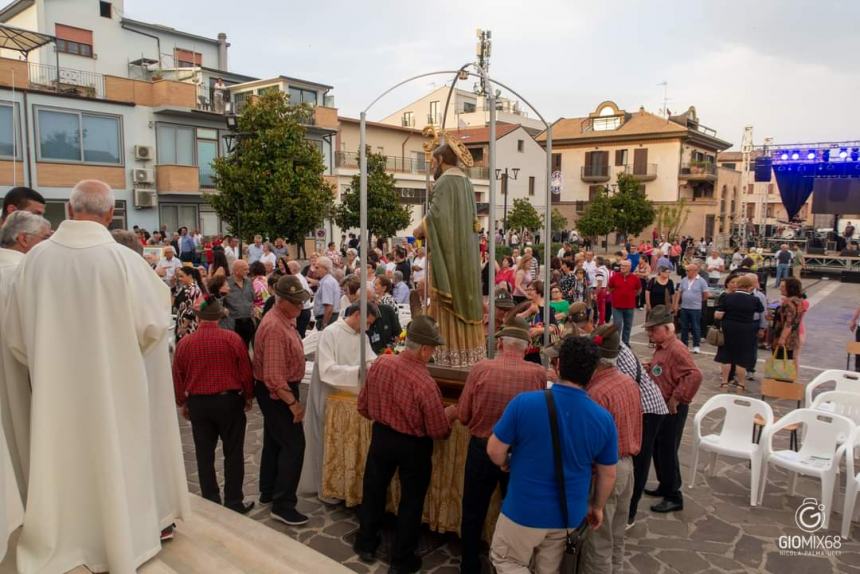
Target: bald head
{"x":240,"y":268}
{"x":92,"y":200}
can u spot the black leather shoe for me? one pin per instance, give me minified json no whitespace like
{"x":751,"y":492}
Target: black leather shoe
{"x":668,"y":506}
{"x":653,"y":492}
{"x":243,"y":508}
{"x":365,"y":556}
{"x":408,"y":569}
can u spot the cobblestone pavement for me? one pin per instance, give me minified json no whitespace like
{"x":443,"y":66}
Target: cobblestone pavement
{"x":716,"y":532}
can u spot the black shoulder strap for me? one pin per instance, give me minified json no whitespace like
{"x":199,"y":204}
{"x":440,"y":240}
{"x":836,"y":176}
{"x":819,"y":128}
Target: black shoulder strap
{"x":556,"y":447}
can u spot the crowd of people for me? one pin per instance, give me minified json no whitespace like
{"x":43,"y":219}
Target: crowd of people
{"x":241,"y":318}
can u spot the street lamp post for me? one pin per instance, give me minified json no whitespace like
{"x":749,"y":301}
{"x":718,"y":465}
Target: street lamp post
{"x":503,"y":176}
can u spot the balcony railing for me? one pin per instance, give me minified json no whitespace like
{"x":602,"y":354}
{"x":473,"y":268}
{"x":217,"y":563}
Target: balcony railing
{"x":642,"y":172}
{"x":595,"y":173}
{"x":67,"y":81}
{"x":398,"y":164}
{"x":703,"y":170}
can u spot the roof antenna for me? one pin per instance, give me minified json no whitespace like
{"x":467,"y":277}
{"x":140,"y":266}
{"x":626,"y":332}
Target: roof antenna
{"x":665,"y":109}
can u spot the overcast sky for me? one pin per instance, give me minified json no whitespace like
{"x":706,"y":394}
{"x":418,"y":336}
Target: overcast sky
{"x":788,"y":68}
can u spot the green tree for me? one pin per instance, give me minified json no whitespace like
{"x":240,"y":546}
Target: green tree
{"x":632,"y":209}
{"x":557,"y":221}
{"x":598,"y":218}
{"x":272,"y":184}
{"x":523,"y":215}
{"x":385,"y":214}
{"x":671,"y":218}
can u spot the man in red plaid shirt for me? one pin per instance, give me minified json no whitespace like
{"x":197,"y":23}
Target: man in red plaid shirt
{"x":213,"y":384}
{"x":405,"y":405}
{"x":618,"y":394}
{"x":490,"y":386}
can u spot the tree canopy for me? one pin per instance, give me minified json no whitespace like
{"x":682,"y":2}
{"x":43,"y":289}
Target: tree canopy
{"x":385,"y":214}
{"x":633,"y":211}
{"x":523,"y":215}
{"x":598,"y":218}
{"x":272,"y":183}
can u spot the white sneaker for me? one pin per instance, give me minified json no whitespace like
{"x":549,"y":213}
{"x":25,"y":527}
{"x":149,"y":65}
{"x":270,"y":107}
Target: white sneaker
{"x":697,"y":350}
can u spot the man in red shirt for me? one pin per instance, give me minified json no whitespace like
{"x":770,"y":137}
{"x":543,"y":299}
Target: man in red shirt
{"x":678,"y":377}
{"x":279,"y":366}
{"x":405,"y":405}
{"x":213,"y":384}
{"x":618,"y":394}
{"x":490,"y":386}
{"x":624,"y":287}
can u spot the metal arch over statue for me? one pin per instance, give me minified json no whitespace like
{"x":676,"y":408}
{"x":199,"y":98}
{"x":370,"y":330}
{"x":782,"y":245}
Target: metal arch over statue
{"x":463,"y":73}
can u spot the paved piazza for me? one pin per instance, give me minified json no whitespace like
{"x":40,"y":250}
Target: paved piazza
{"x":716,"y":532}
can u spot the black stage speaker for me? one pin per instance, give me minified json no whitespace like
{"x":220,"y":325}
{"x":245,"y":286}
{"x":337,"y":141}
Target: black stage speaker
{"x":851,"y":276}
{"x":815,"y":251}
{"x":763,"y":169}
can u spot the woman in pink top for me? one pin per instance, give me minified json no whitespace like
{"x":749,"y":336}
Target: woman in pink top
{"x":260,"y":286}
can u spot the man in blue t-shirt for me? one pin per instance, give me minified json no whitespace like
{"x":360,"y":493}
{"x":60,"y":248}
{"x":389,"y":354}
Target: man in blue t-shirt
{"x":531,"y":517}
{"x":691,"y":293}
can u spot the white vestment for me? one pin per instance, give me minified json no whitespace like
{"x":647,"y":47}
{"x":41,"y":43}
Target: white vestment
{"x":15,"y":417}
{"x":335,"y":368}
{"x":90,"y":319}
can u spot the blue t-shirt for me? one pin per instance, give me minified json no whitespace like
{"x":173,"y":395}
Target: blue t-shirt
{"x":588,"y":436}
{"x":692,"y":292}
{"x":634,"y":259}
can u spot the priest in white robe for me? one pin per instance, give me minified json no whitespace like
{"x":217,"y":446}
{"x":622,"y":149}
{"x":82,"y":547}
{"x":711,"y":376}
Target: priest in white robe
{"x":90,"y":319}
{"x":335,"y":369}
{"x":21,"y":231}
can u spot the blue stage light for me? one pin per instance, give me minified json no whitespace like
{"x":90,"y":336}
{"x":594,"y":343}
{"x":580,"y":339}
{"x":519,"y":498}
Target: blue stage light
{"x":843,"y":153}
{"x":855,"y":154}
{"x":811,"y":154}
{"x":825,"y":155}
{"x":784,"y":156}
{"x":795,"y":154}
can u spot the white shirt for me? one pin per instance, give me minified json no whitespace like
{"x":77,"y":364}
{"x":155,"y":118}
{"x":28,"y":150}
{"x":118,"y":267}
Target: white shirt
{"x":170,"y":266}
{"x":665,"y":247}
{"x":268,"y":258}
{"x":713,"y":265}
{"x":418,"y":275}
{"x":590,"y":269}
{"x":560,"y":253}
{"x":309,"y":304}
{"x":231,"y":253}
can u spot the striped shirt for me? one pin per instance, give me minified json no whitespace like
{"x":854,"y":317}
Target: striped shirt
{"x":649,"y":392}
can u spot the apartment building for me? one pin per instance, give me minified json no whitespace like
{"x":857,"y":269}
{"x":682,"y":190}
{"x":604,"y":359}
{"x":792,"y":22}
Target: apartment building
{"x":466,"y":109}
{"x":94,"y":94}
{"x":673,"y":158}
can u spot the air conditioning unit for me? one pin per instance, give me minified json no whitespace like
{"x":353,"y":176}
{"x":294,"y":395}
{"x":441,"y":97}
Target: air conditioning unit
{"x":145,"y":198}
{"x":142,"y":176}
{"x":143,"y":152}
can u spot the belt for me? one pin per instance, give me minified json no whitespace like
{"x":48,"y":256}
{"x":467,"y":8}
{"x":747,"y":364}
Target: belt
{"x":230,"y":392}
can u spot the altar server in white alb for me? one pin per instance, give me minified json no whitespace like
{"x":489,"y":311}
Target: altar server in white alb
{"x":335,"y":369}
{"x":20,"y":232}
{"x":90,"y":320}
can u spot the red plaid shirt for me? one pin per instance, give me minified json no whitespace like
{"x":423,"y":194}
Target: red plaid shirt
{"x":211,"y":361}
{"x":279,"y":356}
{"x":619,"y":394}
{"x":675,"y":372}
{"x":491,"y":385}
{"x":400,"y":393}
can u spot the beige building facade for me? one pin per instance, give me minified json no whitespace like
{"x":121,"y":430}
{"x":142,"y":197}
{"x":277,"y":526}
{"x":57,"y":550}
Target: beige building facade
{"x":673,"y":159}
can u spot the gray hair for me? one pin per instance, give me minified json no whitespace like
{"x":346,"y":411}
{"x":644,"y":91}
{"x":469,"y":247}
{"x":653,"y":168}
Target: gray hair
{"x":128,"y":239}
{"x":325,"y":263}
{"x":514,"y":343}
{"x":19,"y":222}
{"x":92,"y":197}
{"x":412,"y":345}
{"x":613,"y":362}
{"x":398,"y":276}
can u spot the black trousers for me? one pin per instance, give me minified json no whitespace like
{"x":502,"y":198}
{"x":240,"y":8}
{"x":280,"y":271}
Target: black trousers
{"x":481,"y":477}
{"x":302,"y":322}
{"x":244,"y":327}
{"x":642,"y":462}
{"x":640,"y":298}
{"x":283,"y":449}
{"x":412,"y":457}
{"x":213,"y":417}
{"x":666,"y":454}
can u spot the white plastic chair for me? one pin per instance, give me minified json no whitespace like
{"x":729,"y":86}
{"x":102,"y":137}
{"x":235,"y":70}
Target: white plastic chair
{"x":736,"y":437}
{"x":848,"y":381}
{"x":842,"y":403}
{"x":823,"y":432}
{"x":852,"y":480}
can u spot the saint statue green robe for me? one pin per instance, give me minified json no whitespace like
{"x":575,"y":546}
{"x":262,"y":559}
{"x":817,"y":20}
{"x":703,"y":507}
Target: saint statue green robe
{"x":455,"y":283}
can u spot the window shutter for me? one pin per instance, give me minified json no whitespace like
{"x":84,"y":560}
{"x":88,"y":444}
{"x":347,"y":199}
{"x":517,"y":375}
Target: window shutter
{"x":72,"y":34}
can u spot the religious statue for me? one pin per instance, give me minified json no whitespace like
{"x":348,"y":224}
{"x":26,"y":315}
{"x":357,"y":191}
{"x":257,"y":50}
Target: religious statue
{"x":451,"y":231}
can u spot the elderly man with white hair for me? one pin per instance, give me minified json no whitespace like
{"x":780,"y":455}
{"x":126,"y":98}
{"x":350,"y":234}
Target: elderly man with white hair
{"x":168,"y":265}
{"x":327,"y":298}
{"x":106,"y":473}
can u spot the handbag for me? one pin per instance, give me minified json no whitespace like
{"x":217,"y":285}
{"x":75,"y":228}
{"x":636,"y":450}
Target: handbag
{"x":715,"y":336}
{"x":781,"y":369}
{"x":574,"y":539}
